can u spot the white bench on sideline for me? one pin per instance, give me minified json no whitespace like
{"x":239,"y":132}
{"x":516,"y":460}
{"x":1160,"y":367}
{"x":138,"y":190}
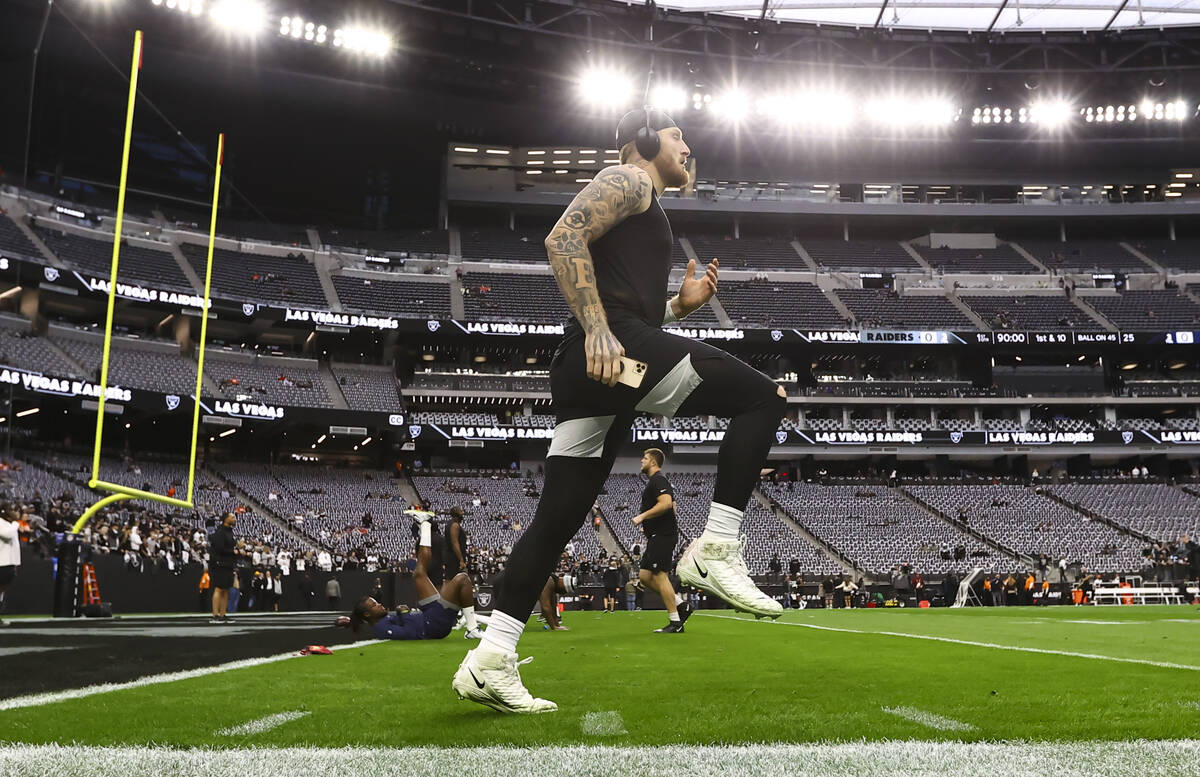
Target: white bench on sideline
{"x":1147,"y":593}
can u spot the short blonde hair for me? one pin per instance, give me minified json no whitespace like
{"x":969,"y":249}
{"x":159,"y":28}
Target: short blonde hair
{"x":659,"y":457}
{"x":627,"y":152}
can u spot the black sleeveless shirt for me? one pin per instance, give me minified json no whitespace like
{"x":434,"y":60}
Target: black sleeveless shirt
{"x":633,"y":266}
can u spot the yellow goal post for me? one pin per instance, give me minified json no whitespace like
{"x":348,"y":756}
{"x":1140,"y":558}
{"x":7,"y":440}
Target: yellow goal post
{"x":116,"y":491}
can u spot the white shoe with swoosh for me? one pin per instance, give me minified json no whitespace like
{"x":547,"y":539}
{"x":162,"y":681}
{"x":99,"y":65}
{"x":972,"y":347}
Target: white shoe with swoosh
{"x":494,"y":680}
{"x":719,"y":568}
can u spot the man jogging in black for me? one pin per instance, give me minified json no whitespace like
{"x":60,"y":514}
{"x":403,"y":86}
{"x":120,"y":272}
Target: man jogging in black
{"x":657,"y":520}
{"x":611,"y":255}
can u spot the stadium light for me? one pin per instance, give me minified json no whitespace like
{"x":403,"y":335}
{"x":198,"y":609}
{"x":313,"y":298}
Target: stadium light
{"x":299,"y":28}
{"x":242,"y":17}
{"x":668,"y":98}
{"x":993,"y":114}
{"x":903,"y":112}
{"x":733,"y":106}
{"x":1052,"y":114}
{"x":29,"y":412}
{"x":362,"y":40}
{"x":192,"y":7}
{"x":605,"y":87}
{"x":812,"y":109}
{"x":1146,"y":110}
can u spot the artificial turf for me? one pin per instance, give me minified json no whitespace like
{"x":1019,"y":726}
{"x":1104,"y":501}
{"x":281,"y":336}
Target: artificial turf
{"x":726,"y":680}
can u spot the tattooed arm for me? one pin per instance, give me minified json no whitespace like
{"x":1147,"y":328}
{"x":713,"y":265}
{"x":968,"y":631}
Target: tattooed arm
{"x":613,"y":195}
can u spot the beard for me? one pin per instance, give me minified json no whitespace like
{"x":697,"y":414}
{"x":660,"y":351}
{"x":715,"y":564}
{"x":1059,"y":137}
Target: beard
{"x":672,"y":173}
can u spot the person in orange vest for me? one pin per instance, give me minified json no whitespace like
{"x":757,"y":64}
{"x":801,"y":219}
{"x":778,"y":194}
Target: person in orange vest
{"x":1126,"y":598}
{"x":987,"y":587}
{"x":205,"y":584}
{"x":1027,"y":589}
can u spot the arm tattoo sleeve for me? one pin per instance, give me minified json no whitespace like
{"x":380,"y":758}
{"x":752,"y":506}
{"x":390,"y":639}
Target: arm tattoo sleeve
{"x":615,"y":194}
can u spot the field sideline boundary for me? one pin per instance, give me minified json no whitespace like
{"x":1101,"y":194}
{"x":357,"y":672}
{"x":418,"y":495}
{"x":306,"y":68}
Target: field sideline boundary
{"x":52,"y":697}
{"x":1179,"y":758}
{"x":971,"y":643}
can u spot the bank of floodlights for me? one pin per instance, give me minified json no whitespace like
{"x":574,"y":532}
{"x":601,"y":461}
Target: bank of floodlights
{"x":1147,"y":110}
{"x":360,"y":40}
{"x":907,"y":113}
{"x":192,"y":7}
{"x":669,"y":98}
{"x":606,"y":87}
{"x":809,"y":109}
{"x":239,"y":17}
{"x":1046,"y":114}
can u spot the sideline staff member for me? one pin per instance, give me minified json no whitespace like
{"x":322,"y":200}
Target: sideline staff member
{"x":220,"y":566}
{"x":10,"y":551}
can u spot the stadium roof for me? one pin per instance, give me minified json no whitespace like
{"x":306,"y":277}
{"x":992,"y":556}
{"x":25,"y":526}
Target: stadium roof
{"x":973,"y":15}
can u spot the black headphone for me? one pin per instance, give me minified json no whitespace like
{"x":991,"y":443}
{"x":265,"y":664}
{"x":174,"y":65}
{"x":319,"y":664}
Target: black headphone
{"x":647,"y":141}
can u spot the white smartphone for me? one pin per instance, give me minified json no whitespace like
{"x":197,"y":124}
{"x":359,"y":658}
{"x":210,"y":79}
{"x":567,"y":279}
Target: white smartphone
{"x":632,"y":372}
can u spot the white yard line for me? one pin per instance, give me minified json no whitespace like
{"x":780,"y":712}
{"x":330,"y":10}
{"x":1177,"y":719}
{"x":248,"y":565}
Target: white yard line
{"x":972,"y":643}
{"x":260,"y":725}
{"x":39,"y":699}
{"x":133,"y":616}
{"x":929,"y":719}
{"x":1178,"y":758}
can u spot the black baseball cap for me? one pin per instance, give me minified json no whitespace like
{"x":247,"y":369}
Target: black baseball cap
{"x":630,"y":123}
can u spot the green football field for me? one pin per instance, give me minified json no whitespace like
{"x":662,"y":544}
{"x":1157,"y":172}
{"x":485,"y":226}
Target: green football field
{"x":856,"y":688}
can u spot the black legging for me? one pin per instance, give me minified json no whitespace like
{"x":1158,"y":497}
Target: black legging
{"x":684,"y":377}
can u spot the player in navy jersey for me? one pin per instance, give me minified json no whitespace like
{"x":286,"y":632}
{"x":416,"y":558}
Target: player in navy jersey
{"x":438,"y":610}
{"x":657,"y":520}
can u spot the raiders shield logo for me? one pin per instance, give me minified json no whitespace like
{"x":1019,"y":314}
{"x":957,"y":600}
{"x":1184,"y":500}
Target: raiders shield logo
{"x":247,"y":308}
{"x":483,"y":599}
{"x":1126,"y":437}
{"x":51,"y":273}
{"x":956,"y":437}
{"x":433,"y":325}
{"x":172,"y":401}
{"x":781,"y":436}
{"x":776,"y":335}
{"x":396,"y":419}
{"x":414,"y":431}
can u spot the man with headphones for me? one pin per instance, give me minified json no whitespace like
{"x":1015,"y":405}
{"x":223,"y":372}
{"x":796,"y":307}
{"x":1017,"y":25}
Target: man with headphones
{"x":611,"y":254}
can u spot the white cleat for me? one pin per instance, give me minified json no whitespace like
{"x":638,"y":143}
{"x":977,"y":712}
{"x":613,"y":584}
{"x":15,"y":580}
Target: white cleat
{"x":718,"y":567}
{"x":473,"y":634}
{"x":494,"y":680}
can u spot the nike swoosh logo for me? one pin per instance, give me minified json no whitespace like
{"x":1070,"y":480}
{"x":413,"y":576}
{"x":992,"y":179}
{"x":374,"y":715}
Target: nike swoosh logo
{"x":473,"y":677}
{"x":700,"y":569}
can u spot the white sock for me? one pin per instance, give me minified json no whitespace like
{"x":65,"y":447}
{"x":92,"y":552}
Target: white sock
{"x":426,"y":534}
{"x":469,"y":615}
{"x":723,"y":523}
{"x":678,"y":600}
{"x":673,"y":617}
{"x":502,"y":634}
